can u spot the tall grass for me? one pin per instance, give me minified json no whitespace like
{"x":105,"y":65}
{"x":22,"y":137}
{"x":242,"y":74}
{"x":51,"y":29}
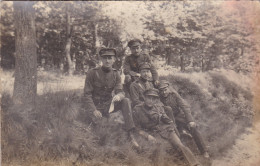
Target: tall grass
{"x":223,"y":110}
{"x":58,"y":132}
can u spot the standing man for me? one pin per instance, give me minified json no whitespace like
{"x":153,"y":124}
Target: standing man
{"x":149,"y":116}
{"x":181,"y":113}
{"x":133,"y":62}
{"x":100,"y":83}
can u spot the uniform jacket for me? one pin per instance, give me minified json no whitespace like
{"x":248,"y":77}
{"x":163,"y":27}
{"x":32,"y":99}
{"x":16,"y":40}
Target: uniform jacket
{"x":132,"y":63}
{"x":178,"y":105}
{"x":153,"y":119}
{"x":99,"y":85}
{"x":137,"y":89}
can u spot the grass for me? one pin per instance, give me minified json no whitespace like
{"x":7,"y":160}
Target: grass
{"x":57,"y":131}
{"x":223,"y":110}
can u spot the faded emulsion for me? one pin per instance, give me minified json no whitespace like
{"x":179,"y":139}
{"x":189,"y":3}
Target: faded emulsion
{"x":130,"y":83}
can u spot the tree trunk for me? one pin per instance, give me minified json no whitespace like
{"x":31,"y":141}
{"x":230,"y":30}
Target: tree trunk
{"x":25,"y":84}
{"x":68,"y":42}
{"x":95,"y":38}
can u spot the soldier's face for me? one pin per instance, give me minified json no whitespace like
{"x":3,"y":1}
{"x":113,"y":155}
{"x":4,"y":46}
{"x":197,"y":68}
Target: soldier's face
{"x":165,"y":91}
{"x":108,"y":61}
{"x":136,"y":50}
{"x":145,"y":74}
{"x":150,"y":100}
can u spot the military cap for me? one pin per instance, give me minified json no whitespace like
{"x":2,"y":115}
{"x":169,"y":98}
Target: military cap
{"x":144,"y":66}
{"x":135,"y":42}
{"x":151,"y":92}
{"x":163,"y":84}
{"x":107,"y":52}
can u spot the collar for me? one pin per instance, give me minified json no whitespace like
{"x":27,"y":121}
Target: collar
{"x":143,"y":80}
{"x":106,"y":69}
{"x":148,"y":107}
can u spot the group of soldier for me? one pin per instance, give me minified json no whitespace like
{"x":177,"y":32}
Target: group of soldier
{"x":154,"y":106}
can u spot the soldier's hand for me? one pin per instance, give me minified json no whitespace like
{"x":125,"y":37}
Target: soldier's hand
{"x":192,"y":124}
{"x":138,"y":75}
{"x":156,"y":83}
{"x":117,"y":98}
{"x":97,"y":114}
{"x":151,"y":139}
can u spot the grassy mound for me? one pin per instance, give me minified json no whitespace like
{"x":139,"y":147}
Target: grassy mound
{"x":57,"y":131}
{"x":221,"y":107}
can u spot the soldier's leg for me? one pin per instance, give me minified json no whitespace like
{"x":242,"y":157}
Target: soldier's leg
{"x":189,"y":156}
{"x":169,"y":113}
{"x":125,"y":106}
{"x":198,"y":140}
{"x":126,"y":86}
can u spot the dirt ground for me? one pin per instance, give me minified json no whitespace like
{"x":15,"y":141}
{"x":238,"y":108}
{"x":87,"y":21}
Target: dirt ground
{"x":245,"y":151}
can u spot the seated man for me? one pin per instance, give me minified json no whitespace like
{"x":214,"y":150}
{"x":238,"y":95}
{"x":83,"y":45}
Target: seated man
{"x":132,"y":63}
{"x":99,"y":85}
{"x":150,"y":116}
{"x":138,"y":87}
{"x":181,"y":113}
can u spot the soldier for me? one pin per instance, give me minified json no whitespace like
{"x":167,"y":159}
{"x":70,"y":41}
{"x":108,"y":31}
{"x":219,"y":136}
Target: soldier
{"x":138,"y":87}
{"x":133,"y":62}
{"x":181,"y":113}
{"x":99,"y":85}
{"x":149,"y":116}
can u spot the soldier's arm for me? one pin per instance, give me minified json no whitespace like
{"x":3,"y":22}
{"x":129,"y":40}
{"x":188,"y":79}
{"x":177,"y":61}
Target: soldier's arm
{"x":154,"y":73}
{"x":88,"y":89}
{"x":134,"y":94}
{"x":153,"y":68}
{"x":165,"y":119}
{"x":153,"y":115}
{"x":183,"y":105}
{"x":119,"y":87}
{"x":127,"y":68}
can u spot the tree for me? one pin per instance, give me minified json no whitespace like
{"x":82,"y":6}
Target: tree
{"x":69,"y":30}
{"x":7,"y":43}
{"x":25,"y":84}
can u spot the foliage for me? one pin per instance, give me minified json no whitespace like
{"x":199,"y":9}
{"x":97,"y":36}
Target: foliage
{"x":197,"y":36}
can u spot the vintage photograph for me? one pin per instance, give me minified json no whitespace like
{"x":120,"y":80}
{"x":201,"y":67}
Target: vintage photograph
{"x":130,"y":83}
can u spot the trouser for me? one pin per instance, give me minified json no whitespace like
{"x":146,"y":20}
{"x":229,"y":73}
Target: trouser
{"x":189,"y":156}
{"x":124,"y":105}
{"x":169,"y":113}
{"x":181,"y":122}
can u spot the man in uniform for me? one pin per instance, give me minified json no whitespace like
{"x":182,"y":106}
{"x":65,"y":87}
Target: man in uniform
{"x":138,"y":87}
{"x":100,"y":83}
{"x":181,"y":113}
{"x":133,"y":62}
{"x":149,"y":116}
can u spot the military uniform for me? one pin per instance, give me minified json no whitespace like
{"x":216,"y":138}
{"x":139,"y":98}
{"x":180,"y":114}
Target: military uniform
{"x":154,"y":119}
{"x":182,"y":115}
{"x":179,"y":107}
{"x":137,"y":89}
{"x":99,"y":85}
{"x":132,"y":64}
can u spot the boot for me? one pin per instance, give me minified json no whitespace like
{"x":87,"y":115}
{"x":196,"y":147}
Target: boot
{"x":132,"y":140}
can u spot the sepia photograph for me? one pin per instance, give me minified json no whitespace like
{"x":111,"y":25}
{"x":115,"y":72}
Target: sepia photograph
{"x":130,"y":83}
